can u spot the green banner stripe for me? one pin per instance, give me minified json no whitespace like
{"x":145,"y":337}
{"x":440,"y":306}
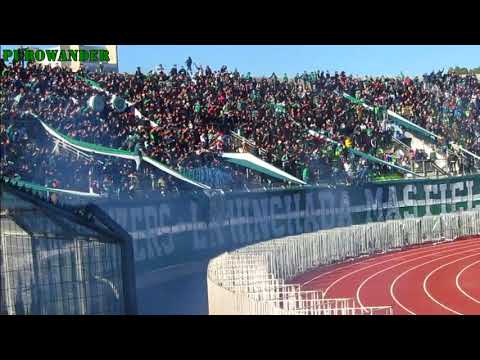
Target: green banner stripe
{"x":44,"y":189}
{"x":399,"y":120}
{"x":90,"y":82}
{"x":102,"y":150}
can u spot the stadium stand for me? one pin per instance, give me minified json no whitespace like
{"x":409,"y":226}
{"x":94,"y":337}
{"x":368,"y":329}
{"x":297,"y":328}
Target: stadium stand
{"x":185,"y":122}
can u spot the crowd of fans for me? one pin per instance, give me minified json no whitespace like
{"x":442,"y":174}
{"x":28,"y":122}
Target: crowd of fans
{"x":189,"y":115}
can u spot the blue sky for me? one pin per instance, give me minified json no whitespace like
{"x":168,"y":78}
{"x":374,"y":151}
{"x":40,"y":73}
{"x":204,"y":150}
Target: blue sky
{"x":291,"y":59}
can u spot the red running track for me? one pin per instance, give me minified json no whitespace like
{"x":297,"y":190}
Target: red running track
{"x":441,"y":279}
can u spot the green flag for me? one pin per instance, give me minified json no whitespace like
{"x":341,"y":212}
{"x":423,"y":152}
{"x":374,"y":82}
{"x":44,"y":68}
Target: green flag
{"x":280,"y":108}
{"x":306,"y":174}
{"x":89,"y":82}
{"x":354,"y":99}
{"x":197,"y":107}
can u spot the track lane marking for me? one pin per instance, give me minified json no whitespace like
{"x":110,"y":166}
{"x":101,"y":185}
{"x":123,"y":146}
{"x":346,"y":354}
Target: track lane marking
{"x":392,"y":286}
{"x":459,"y":287}
{"x":345,"y":266}
{"x":425,"y":281}
{"x":430,"y":250}
{"x":390,"y":256}
{"x":362,"y":284}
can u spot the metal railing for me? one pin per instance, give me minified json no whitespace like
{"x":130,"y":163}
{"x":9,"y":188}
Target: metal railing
{"x":242,"y":142}
{"x":254,"y":279}
{"x":60,"y":260}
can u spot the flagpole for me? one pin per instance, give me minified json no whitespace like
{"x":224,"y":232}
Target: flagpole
{"x":21,"y":48}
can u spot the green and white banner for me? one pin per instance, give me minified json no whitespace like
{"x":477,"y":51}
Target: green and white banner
{"x":90,"y":148}
{"x":91,"y":83}
{"x":364,"y":155}
{"x":252,"y":162}
{"x":118,"y":153}
{"x":194,"y":227}
{"x":46,"y":189}
{"x":400,"y":120}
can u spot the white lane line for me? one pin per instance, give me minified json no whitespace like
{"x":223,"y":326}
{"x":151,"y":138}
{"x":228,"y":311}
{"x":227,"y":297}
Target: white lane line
{"x":457,"y":282}
{"x":346,"y":266}
{"x":411,"y":252}
{"x":425,"y":281}
{"x":367,"y":260}
{"x":402,"y":263}
{"x":389,"y":256}
{"x":392,"y":286}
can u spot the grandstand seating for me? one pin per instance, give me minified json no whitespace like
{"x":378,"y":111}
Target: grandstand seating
{"x":309,"y":127}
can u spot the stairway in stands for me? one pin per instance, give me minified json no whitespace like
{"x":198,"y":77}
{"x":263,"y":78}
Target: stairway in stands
{"x":440,"y":165}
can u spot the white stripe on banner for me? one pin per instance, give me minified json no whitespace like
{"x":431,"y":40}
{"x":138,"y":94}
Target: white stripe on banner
{"x":250,"y":158}
{"x":85,"y":148}
{"x":136,"y":158}
{"x":200,"y":225}
{"x":174,"y":173}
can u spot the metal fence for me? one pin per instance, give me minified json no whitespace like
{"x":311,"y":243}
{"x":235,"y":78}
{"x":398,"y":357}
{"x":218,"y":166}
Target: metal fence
{"x":54,"y":260}
{"x":253,"y":280}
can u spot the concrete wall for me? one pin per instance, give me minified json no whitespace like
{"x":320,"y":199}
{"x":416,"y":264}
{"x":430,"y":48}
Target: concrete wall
{"x":175,"y":290}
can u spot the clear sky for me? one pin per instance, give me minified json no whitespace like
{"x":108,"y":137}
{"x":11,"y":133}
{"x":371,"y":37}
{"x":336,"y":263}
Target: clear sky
{"x":291,"y":59}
